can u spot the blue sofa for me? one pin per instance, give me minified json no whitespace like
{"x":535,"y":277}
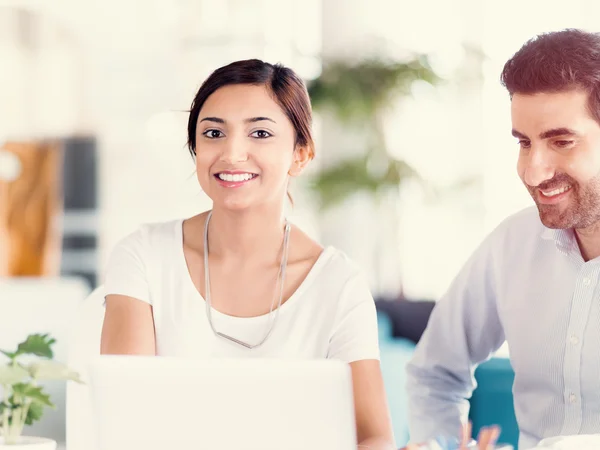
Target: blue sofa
{"x":491,"y":403}
{"x":395,"y":354}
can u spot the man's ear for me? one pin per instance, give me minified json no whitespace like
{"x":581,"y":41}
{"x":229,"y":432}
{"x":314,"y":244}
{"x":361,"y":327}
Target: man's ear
{"x":302,"y":156}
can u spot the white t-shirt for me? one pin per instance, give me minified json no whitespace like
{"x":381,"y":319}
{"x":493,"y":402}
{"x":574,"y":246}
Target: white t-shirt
{"x":331,"y":315}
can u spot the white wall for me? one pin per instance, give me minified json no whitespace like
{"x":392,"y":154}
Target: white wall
{"x":41,"y":78}
{"x":435,"y":238}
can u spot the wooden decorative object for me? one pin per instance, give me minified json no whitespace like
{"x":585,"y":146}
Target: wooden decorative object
{"x":30,"y":211}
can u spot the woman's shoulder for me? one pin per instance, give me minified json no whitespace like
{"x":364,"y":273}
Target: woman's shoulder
{"x":340,"y":266}
{"x":334,"y":271}
{"x":150,"y":235}
{"x":136,"y":259}
{"x":340,"y":259}
{"x":328,"y":261}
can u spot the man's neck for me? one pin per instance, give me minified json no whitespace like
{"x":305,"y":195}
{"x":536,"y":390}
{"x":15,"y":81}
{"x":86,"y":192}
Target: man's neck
{"x":589,"y":241}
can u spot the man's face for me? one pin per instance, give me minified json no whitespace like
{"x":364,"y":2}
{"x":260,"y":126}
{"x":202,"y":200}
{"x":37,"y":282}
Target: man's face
{"x":559,"y":159}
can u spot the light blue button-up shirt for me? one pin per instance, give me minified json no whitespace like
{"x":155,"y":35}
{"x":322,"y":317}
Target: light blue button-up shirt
{"x":530,"y":286}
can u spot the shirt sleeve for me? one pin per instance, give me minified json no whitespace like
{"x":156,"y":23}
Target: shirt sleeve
{"x":126,"y":269}
{"x":464,"y":329}
{"x":355,"y":335}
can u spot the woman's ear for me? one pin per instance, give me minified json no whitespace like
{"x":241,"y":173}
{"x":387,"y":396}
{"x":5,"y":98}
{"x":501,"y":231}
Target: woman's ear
{"x":302,"y":156}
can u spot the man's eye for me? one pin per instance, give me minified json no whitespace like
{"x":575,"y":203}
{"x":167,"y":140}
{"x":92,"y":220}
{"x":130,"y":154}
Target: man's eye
{"x":524,"y":143}
{"x":563,"y":144}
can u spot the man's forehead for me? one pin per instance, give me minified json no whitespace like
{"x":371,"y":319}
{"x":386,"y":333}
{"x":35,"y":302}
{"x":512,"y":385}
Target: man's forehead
{"x":537,"y":113}
{"x":564,"y":102}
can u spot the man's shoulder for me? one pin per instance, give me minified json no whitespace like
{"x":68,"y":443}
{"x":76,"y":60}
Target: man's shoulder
{"x":515,"y":236}
{"x":529,"y":217}
{"x":522,"y":225}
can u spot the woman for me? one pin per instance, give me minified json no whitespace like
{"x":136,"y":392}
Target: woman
{"x":240,"y":280}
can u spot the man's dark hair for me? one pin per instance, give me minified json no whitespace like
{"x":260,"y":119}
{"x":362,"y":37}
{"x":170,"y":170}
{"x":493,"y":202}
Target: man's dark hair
{"x":557,"y":61}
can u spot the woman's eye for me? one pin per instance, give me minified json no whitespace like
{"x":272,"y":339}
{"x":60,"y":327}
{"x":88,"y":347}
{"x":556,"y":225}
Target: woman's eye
{"x":261,"y":134}
{"x":213,"y":134}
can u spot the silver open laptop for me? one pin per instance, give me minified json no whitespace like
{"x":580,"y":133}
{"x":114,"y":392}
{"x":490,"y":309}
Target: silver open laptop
{"x":158,"y":403}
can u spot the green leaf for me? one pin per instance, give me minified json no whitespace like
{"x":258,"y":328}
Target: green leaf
{"x":37,"y":344}
{"x":371,"y":173}
{"x":53,"y":370}
{"x":8,"y":354}
{"x":34,"y":393}
{"x":358,"y":94}
{"x":34,"y":413}
{"x":358,"y":91}
{"x":12,"y":374}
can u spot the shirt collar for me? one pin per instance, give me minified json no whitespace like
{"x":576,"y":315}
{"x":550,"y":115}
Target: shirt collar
{"x":564,"y":238}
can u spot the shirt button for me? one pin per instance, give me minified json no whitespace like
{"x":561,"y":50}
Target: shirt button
{"x":587,"y":281}
{"x":574,"y":340}
{"x":573,"y":398}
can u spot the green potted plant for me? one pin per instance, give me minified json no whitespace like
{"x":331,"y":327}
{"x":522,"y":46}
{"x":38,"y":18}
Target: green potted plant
{"x":360,"y":94}
{"x":23,"y":400}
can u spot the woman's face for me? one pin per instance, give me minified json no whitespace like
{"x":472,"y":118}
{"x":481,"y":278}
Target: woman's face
{"x":245,"y":148}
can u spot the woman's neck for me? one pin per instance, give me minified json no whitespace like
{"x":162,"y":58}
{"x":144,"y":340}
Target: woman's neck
{"x":255,"y":234}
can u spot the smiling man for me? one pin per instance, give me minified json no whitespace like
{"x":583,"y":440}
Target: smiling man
{"x":559,"y":160}
{"x":534,"y":281}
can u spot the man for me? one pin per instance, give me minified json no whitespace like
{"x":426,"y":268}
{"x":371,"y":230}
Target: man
{"x":534,"y":281}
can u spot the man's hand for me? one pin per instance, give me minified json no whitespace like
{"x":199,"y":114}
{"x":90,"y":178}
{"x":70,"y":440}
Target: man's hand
{"x":485,"y":441}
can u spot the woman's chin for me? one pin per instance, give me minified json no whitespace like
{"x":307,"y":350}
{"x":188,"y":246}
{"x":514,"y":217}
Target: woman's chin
{"x":246,"y":202}
{"x":231,"y":204}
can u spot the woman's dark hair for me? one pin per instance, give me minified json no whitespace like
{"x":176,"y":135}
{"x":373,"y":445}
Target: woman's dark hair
{"x":287,"y":88}
{"x":555,"y":62}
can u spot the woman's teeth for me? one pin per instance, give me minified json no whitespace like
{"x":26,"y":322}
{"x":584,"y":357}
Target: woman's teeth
{"x":235,"y":177}
{"x":555,"y":191}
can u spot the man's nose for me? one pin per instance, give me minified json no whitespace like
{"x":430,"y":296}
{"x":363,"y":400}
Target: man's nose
{"x":538,"y":167}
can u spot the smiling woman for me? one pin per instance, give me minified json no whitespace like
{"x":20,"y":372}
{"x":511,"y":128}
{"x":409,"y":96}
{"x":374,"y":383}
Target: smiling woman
{"x":285,"y":96}
{"x":245,"y":149}
{"x":240,"y":280}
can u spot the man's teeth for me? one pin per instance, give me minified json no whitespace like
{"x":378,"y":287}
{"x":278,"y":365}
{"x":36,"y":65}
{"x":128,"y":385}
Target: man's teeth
{"x":556,"y":191}
{"x":235,"y":177}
